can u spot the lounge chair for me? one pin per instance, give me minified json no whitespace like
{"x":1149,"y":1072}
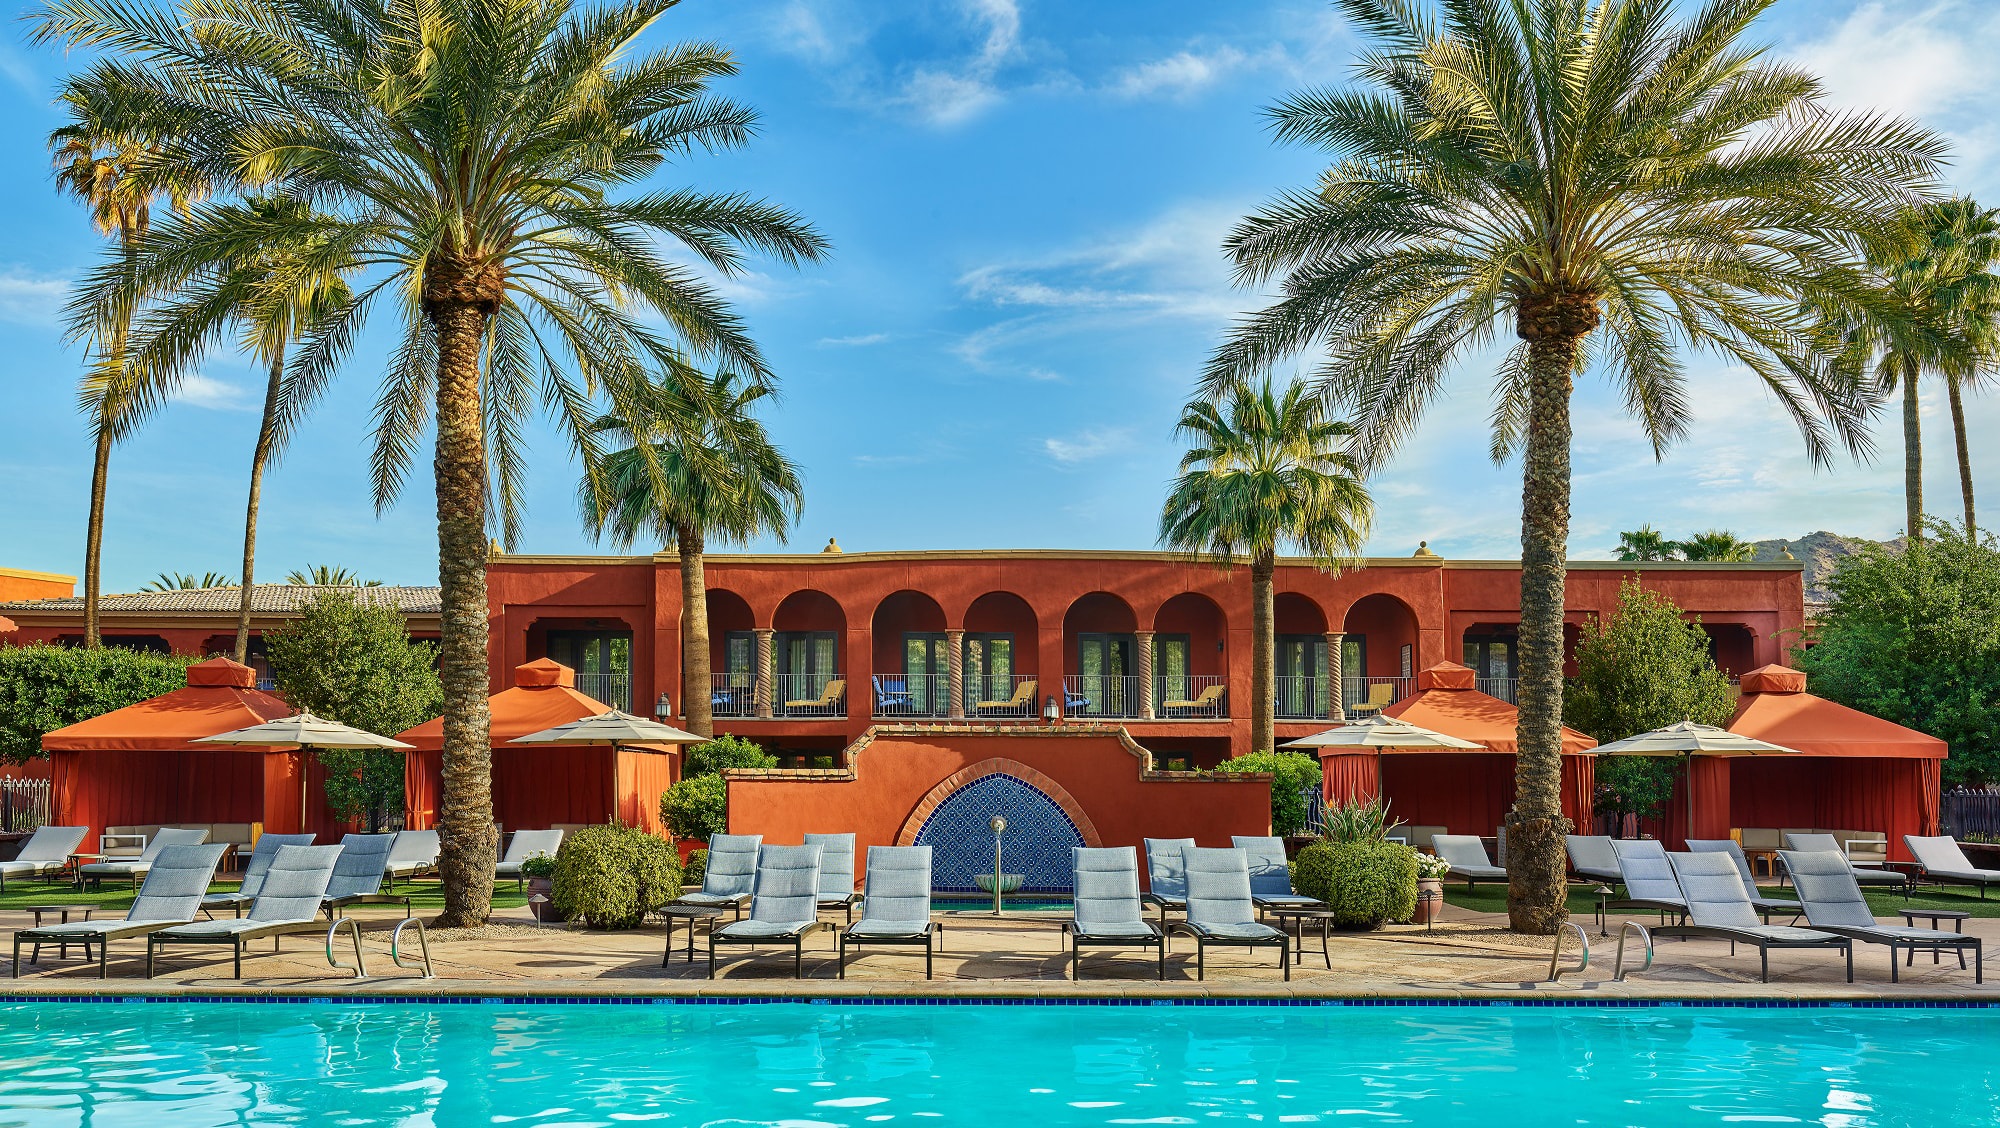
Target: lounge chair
{"x":1718,"y":909}
{"x":1945,"y":863}
{"x":1075,"y":702}
{"x":524,"y":845}
{"x":1208,"y":701}
{"x":357,"y":876}
{"x":1878,"y":877}
{"x":892,"y":695}
{"x":45,"y":853}
{"x":1833,"y":903}
{"x":1166,"y":875}
{"x":1381,"y":695}
{"x":1271,"y":876}
{"x":1220,"y":910}
{"x":176,"y":879}
{"x":415,"y":852}
{"x":1591,"y":856}
{"x":836,"y":872}
{"x":1105,"y":909}
{"x":1021,"y":704}
{"x":784,"y":906}
{"x":1648,"y":879}
{"x":136,"y":868}
{"x":1767,"y":907}
{"x":828,"y":700}
{"x":288,"y":903}
{"x":897,"y":907}
{"x":731,"y":873}
{"x":1467,"y":855}
{"x":253,"y":872}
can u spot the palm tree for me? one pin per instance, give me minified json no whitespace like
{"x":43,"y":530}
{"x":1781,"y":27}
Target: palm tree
{"x":1266,"y":468}
{"x":698,"y":465}
{"x":1609,"y":181}
{"x":466,"y":159}
{"x":187,"y":581}
{"x":327,"y":575}
{"x":1718,"y":546}
{"x":1645,"y":543}
{"x":1942,"y":284}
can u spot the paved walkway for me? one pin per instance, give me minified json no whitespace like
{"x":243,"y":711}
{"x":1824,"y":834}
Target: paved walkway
{"x":1018,"y":954}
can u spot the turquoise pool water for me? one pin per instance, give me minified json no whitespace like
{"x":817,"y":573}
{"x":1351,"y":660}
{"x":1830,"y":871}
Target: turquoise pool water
{"x":168,"y":1065}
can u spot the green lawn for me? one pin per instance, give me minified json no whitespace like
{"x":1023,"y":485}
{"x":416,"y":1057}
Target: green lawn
{"x":1583,"y":902}
{"x":117,"y":898}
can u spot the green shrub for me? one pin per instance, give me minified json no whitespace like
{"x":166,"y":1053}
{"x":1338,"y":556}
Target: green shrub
{"x":696,"y":807}
{"x":711,"y":756}
{"x":44,"y":688}
{"x":1292,"y":774}
{"x":694,"y":871}
{"x":538,"y":865}
{"x":1359,"y":822}
{"x":612,"y":876}
{"x":1366,"y":884}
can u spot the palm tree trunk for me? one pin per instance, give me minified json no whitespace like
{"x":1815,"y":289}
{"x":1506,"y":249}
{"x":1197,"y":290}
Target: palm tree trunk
{"x":1957,"y":395}
{"x":466,"y":838}
{"x":1263,"y":657}
{"x":93,"y":542}
{"x":1537,"y":900}
{"x":262,"y":454}
{"x":696,"y":704}
{"x":1913,"y":460}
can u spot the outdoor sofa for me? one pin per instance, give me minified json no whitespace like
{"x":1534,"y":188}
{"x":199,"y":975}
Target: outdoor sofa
{"x":136,"y":867}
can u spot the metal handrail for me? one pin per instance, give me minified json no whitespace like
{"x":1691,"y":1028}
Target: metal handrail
{"x":1618,"y":965}
{"x":423,"y":947}
{"x":1555,"y":956}
{"x":360,"y":965}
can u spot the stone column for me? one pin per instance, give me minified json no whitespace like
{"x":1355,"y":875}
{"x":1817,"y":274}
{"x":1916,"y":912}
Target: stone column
{"x":954,"y":664}
{"x":1335,"y":641}
{"x":1144,"y":644}
{"x":764,"y":694}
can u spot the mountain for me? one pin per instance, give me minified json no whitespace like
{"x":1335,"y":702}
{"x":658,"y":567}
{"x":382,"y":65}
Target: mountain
{"x":1820,"y":552}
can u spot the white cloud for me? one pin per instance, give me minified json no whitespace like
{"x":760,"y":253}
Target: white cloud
{"x":945,"y":96}
{"x":1179,"y":74}
{"x":852,"y":342}
{"x":1087,"y":445}
{"x":1907,"y":58}
{"x":214,"y":395}
{"x":31,"y":299}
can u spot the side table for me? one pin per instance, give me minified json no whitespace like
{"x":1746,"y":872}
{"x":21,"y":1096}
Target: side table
{"x":1937,"y":917}
{"x":61,"y":912}
{"x":1295,"y":921}
{"x":690,"y":914}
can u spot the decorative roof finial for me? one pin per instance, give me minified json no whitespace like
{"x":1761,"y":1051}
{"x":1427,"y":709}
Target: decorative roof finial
{"x":1424,"y":552}
{"x":1785,"y":551}
{"x":832,"y":546}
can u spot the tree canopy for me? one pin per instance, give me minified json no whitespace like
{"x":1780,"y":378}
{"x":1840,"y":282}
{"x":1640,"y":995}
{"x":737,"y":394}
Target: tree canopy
{"x":44,"y":688}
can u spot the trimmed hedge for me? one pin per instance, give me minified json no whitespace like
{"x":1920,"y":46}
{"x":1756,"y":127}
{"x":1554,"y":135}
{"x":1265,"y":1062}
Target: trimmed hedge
{"x":612,"y":876}
{"x":1366,"y":884}
{"x":696,"y":807}
{"x":695,"y":870}
{"x":44,"y":688}
{"x":1292,"y":774}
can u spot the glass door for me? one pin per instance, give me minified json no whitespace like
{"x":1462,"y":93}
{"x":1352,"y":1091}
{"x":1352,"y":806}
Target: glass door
{"x":926,"y":673}
{"x":989,"y":674}
{"x":1302,"y":676}
{"x":1170,"y":669}
{"x":807,"y":665}
{"x":602,"y":661}
{"x":1104,"y":670}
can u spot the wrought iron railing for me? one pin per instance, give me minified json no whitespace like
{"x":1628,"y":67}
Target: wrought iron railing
{"x":810,"y":695}
{"x":1302,"y":697}
{"x":1100,"y":695}
{"x":1002,"y":697}
{"x":733,"y":694}
{"x":1363,"y":697}
{"x":1506,"y":689}
{"x":911,"y":695}
{"x":1191,"y":696}
{"x":614,"y":689}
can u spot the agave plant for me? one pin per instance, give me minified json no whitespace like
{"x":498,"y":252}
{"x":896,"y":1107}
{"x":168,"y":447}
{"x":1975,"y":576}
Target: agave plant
{"x":1359,"y":821}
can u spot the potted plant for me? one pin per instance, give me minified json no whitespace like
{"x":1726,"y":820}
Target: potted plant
{"x":1430,"y":888}
{"x":540,"y":870}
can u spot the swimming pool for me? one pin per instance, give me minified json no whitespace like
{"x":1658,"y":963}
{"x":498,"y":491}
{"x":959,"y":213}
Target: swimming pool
{"x":168,"y":1065}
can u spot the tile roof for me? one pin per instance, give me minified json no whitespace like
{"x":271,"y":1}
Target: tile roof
{"x":265,"y":598}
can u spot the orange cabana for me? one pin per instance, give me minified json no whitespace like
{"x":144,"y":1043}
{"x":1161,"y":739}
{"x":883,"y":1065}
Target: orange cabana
{"x":537,"y":787}
{"x":1858,"y":772}
{"x":1471,"y":791}
{"x":135,"y":766}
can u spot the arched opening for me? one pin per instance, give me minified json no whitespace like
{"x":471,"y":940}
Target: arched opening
{"x":732,"y":655}
{"x":1101,"y":656}
{"x":1304,"y":690}
{"x":809,"y":677}
{"x":912,"y":665}
{"x":1493,"y":650}
{"x":1190,"y":660}
{"x":599,"y":650}
{"x":1000,"y":658}
{"x":1379,"y":657}
{"x":1044,"y":823}
{"x":1732,"y":647}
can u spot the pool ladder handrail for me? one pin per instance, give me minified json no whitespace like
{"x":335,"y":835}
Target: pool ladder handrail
{"x":1555,"y":955}
{"x":360,"y":965}
{"x":1618,"y":965}
{"x":424,"y":948}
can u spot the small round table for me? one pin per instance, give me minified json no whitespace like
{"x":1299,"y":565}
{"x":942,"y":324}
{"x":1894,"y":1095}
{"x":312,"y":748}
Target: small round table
{"x":62,"y":912}
{"x":690,"y":914}
{"x":78,"y":861}
{"x":1937,"y":917}
{"x":1294,"y":921}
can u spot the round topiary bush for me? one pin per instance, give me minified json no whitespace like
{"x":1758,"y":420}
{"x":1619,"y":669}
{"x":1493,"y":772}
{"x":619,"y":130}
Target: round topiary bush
{"x":1366,"y":884}
{"x":696,"y":807}
{"x":612,"y":876}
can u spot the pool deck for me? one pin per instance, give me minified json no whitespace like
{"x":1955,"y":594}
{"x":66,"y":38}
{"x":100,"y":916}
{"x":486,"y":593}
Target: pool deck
{"x":1017,"y":956}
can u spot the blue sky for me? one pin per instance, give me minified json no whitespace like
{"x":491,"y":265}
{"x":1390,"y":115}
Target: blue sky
{"x":1026,"y":199}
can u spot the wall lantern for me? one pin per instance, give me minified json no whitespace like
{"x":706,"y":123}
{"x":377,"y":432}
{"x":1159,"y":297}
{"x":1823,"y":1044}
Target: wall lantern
{"x":1050,"y":713}
{"x":664,"y":707}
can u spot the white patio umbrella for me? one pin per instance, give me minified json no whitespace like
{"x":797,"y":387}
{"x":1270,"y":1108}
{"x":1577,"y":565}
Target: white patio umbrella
{"x":304,"y":731}
{"x":1688,"y":739}
{"x":613,"y":728}
{"x":1384,"y":734}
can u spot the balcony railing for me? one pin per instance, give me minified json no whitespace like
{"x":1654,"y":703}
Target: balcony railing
{"x":614,"y":689}
{"x":1100,"y":695}
{"x":1303,"y":698}
{"x":733,"y":694}
{"x":1191,"y":696}
{"x":1363,"y":697}
{"x":809,"y":695}
{"x":1506,"y":689}
{"x":1002,"y":697}
{"x":911,"y":695}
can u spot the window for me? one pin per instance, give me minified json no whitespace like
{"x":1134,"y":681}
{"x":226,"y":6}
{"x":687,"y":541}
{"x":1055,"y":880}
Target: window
{"x":1302,"y":675}
{"x":1170,"y":667}
{"x":926,"y":672}
{"x":1491,"y":655}
{"x":989,"y":668}
{"x":1103,"y":685}
{"x":602,"y":661}
{"x":807,"y":661}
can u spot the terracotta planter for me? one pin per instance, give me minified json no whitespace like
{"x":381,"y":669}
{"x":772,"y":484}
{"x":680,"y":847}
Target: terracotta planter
{"x":544,"y":909}
{"x":1430,"y":900}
